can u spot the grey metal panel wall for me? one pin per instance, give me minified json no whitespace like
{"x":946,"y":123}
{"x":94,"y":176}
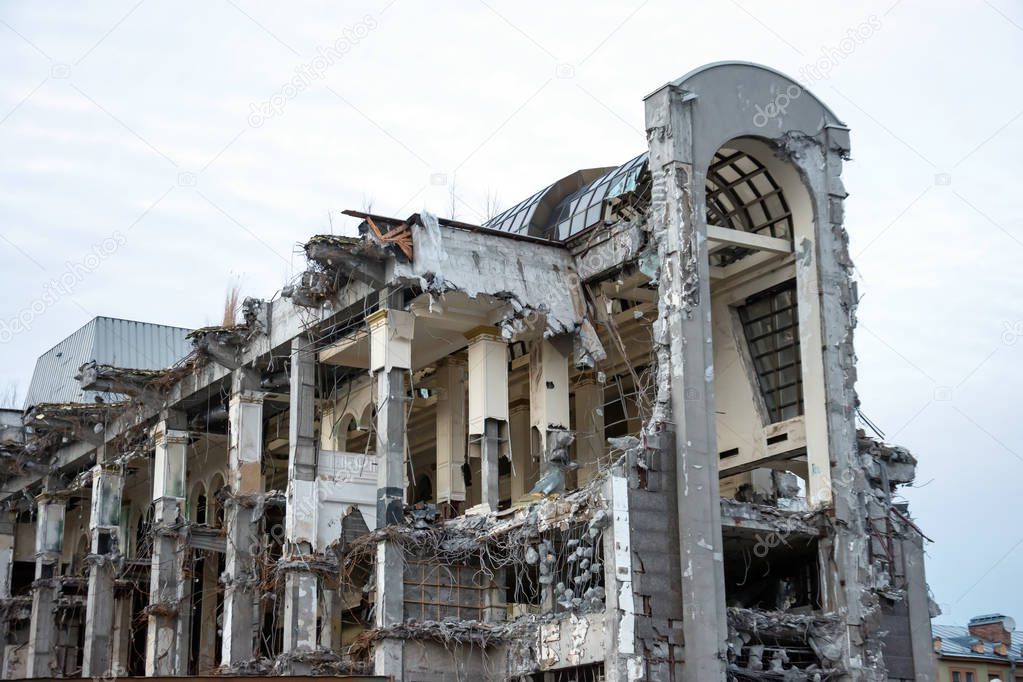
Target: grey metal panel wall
{"x":123,"y":343}
{"x":139,"y":345}
{"x":50,"y":380}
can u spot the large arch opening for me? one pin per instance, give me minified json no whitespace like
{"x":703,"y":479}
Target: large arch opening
{"x":757,"y":210}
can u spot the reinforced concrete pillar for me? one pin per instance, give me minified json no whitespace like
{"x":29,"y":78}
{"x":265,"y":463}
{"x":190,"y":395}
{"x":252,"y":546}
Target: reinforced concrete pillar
{"x":589,"y":428}
{"x":685,"y":331}
{"x":921,"y":638}
{"x":300,"y":584}
{"x":390,"y":360}
{"x":523,"y":465}
{"x":451,"y":439}
{"x":245,"y":478}
{"x":42,"y":637}
{"x":167,"y":637}
{"x":104,"y":525}
{"x":488,"y":407}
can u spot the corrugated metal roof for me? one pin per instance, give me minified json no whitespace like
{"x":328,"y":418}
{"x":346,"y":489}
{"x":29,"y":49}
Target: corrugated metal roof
{"x":956,"y":640}
{"x":109,"y":341}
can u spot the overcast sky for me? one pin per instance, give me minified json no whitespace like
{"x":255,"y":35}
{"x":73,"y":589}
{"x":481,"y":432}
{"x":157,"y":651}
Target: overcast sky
{"x":150,"y":154}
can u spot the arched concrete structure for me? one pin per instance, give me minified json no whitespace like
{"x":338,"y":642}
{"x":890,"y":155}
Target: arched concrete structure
{"x":803,"y":144}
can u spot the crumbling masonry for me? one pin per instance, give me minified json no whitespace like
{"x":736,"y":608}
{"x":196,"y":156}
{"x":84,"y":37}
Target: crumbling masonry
{"x":608,"y":435}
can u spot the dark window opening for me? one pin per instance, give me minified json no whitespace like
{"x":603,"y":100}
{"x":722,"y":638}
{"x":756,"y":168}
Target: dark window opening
{"x":769,"y":574}
{"x":771,"y":325}
{"x":144,"y":535}
{"x":200,"y":510}
{"x":592,"y":672}
{"x":23,"y":573}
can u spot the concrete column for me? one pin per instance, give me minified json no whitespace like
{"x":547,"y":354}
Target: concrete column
{"x":301,"y":585}
{"x":104,"y":525}
{"x":684,"y":336}
{"x":523,"y":464}
{"x":548,"y":390}
{"x":330,"y":624}
{"x":589,"y":428}
{"x":488,"y":407}
{"x":42,"y":638}
{"x":827,"y":256}
{"x":6,"y":565}
{"x":6,"y":554}
{"x":620,"y":602}
{"x":921,"y":637}
{"x":245,"y":478}
{"x":167,"y":639}
{"x":390,"y":361}
{"x":209,"y":581}
{"x":121,"y":638}
{"x":451,"y":433}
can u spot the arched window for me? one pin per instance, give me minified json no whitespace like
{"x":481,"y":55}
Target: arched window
{"x":79,"y":565}
{"x":144,"y":534}
{"x":197,"y":509}
{"x":215,"y":510}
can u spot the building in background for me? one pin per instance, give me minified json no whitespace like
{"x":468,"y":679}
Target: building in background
{"x":981,"y":651}
{"x":609,"y":435}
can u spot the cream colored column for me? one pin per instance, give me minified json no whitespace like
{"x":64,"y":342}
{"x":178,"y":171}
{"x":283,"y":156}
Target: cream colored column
{"x":815,"y":403}
{"x":451,"y":433}
{"x":488,"y":406}
{"x":523,"y":464}
{"x":589,"y":428}
{"x":548,"y":390}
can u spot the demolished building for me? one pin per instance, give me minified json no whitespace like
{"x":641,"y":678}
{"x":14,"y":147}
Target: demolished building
{"x":608,"y":435}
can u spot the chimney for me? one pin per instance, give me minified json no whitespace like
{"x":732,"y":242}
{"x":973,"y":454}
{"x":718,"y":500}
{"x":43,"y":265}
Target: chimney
{"x":993,"y":628}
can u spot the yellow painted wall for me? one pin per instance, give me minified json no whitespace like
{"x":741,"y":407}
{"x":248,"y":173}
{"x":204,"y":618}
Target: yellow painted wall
{"x":982,"y":671}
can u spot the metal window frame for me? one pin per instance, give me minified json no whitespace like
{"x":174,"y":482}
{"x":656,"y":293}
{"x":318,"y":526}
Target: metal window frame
{"x":769,"y":377}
